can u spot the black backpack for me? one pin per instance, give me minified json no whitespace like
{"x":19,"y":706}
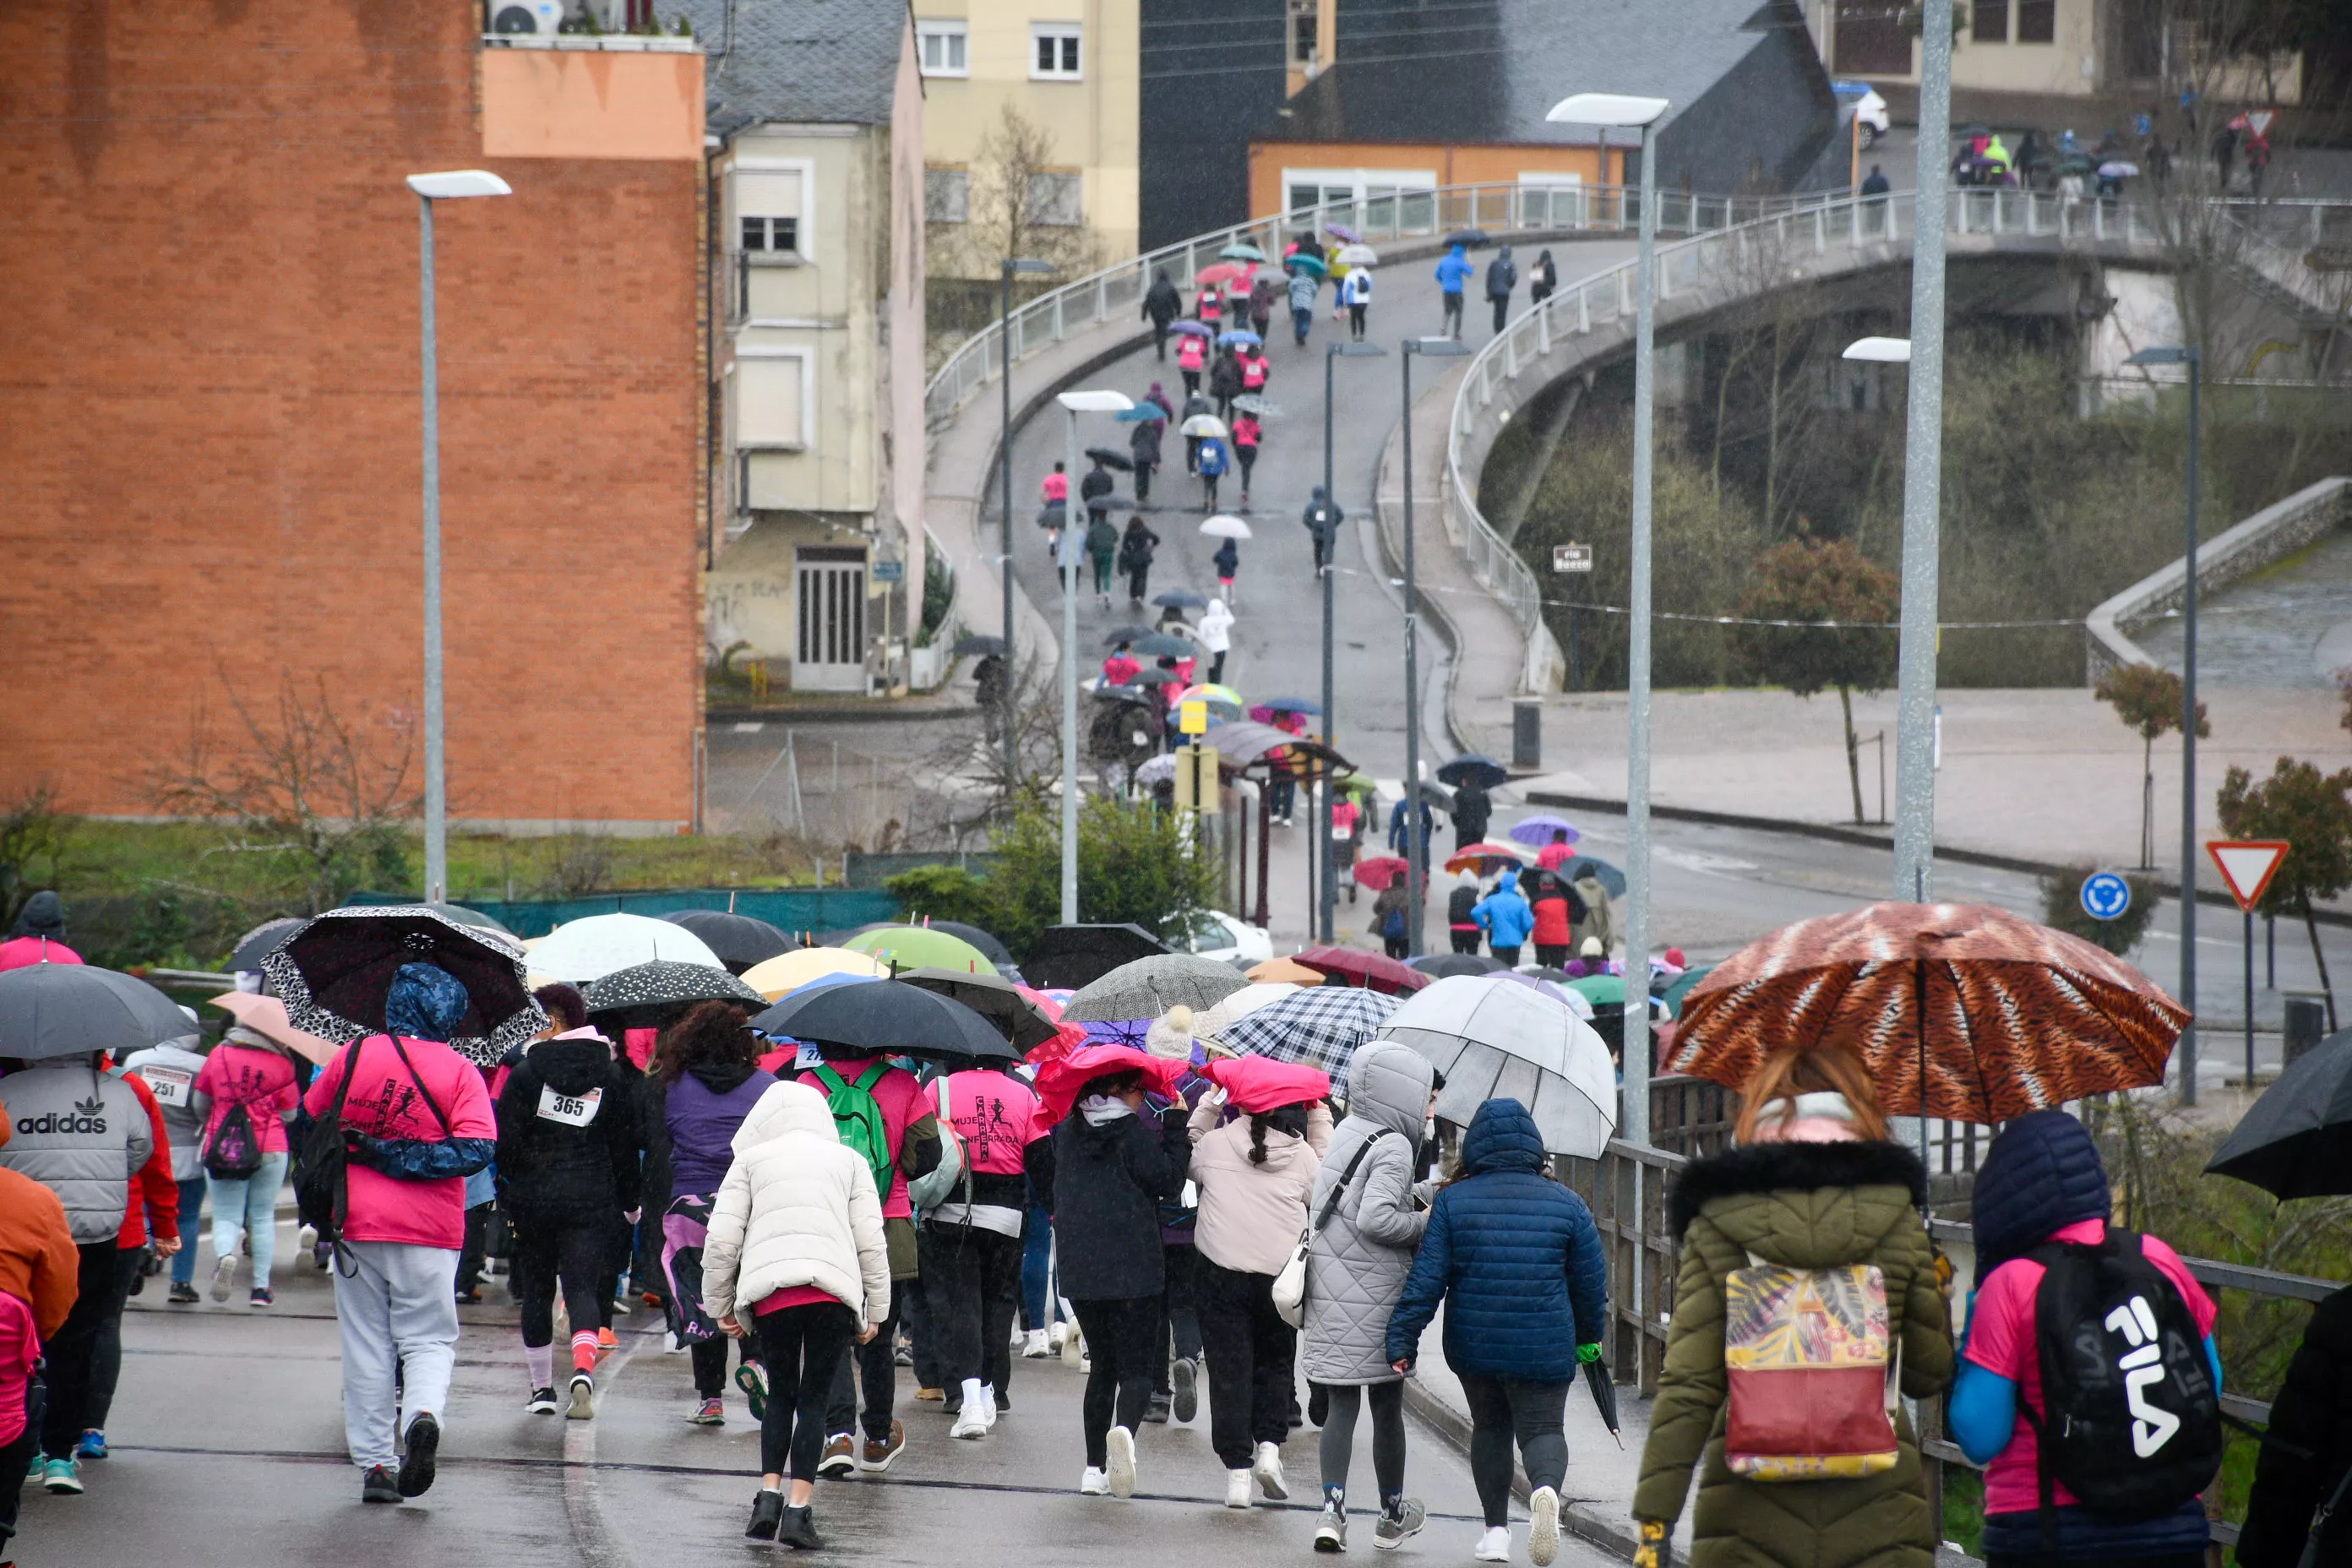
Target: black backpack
{"x":2131,"y":1422}
{"x":234,"y":1150}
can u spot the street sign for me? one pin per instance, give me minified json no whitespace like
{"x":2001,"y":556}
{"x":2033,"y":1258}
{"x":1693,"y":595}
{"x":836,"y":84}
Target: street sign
{"x":1193,"y":716}
{"x":2247,"y":866}
{"x":1572,"y":558}
{"x":2106,"y":896}
{"x":890,"y":571}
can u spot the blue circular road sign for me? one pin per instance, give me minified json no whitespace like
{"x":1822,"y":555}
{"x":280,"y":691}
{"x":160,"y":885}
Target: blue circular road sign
{"x":2106,"y":896}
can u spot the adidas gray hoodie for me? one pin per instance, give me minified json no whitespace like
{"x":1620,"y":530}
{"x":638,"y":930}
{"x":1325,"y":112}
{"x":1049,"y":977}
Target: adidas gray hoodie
{"x":81,"y":1133}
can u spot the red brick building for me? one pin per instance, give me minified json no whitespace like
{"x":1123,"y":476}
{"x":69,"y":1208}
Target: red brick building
{"x":209,"y":438}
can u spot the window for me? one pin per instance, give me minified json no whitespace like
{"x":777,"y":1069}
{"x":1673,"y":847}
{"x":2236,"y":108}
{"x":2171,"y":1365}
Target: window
{"x":947,"y":195}
{"x":1057,"y":199}
{"x":768,"y":210}
{"x":770,"y":401}
{"x":1054,"y":51}
{"x":772,"y":233}
{"x":943,"y":45}
{"x":1990,"y":22}
{"x":2037,"y":21}
{"x":1302,"y":30}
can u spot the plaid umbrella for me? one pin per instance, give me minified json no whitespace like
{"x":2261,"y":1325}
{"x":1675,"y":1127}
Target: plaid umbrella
{"x":1319,"y":1026}
{"x":335,"y":972}
{"x":666,"y":981}
{"x":1147,"y":987}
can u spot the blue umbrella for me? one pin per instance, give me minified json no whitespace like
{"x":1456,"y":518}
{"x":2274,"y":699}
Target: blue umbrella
{"x":1192,"y":328}
{"x":1140,"y":413}
{"x":1293,"y":705}
{"x":1608,"y":875}
{"x":1470,"y":767}
{"x":1226,"y":339}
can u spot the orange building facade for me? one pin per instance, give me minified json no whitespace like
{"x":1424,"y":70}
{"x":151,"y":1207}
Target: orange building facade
{"x":1287,"y":176}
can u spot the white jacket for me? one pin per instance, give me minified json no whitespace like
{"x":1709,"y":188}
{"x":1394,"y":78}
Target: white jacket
{"x":1216,"y":627}
{"x":797,"y":1207}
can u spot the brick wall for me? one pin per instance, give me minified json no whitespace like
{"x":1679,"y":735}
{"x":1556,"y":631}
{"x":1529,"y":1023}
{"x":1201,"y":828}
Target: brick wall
{"x":209,"y":440}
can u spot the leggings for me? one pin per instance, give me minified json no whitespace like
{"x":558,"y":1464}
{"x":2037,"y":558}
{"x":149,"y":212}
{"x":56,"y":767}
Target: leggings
{"x":1501,"y":1410}
{"x":1119,"y":1340}
{"x":1388,"y":1435}
{"x":1038,"y":1309}
{"x":1252,"y":1380}
{"x":572,"y":1253}
{"x":1138,"y":582}
{"x":800,"y":1347}
{"x":245,"y":1208}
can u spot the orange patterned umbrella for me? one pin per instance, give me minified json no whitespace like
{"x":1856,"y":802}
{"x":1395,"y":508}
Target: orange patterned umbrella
{"x":1995,"y":1015}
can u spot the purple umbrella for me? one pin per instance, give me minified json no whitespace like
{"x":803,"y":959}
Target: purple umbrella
{"x":1192,"y":330}
{"x":1343,"y":232}
{"x":1538,"y":829}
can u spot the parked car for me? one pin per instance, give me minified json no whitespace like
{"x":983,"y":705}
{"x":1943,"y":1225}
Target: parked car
{"x":1224,"y":937}
{"x":1868,"y":108}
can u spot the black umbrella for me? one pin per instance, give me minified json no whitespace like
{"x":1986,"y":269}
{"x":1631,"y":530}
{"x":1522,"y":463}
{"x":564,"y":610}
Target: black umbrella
{"x":1110,"y":457}
{"x":457,"y":912}
{"x":990,"y":949}
{"x":1605,"y":1395}
{"x":1159,"y":645}
{"x":665,"y":981}
{"x":1437,"y":795}
{"x":1611,"y":878}
{"x":738,"y":941}
{"x":1469,"y":238}
{"x":1127,"y":634}
{"x":2295,"y":1141}
{"x":1182,"y":599}
{"x":335,"y":972}
{"x":967,"y":647}
{"x":1471,"y":768}
{"x":994,"y":998}
{"x":66,"y":1009}
{"x":262,"y":941}
{"x":1078,"y":955}
{"x":885,"y":1016}
{"x":1443,"y":965}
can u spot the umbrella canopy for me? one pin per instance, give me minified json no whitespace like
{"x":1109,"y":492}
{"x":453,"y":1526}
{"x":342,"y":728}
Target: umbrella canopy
{"x":266,"y":1015}
{"x":1341,"y":231}
{"x":1004,"y":1004}
{"x":1486,"y":858}
{"x":738,"y":941}
{"x":921,"y":947}
{"x":1221,"y":700}
{"x":1575,"y":1002}
{"x":336,"y":972}
{"x":1253,"y":1084}
{"x":1257,"y":403}
{"x":1119,"y":634}
{"x":1612,"y":881}
{"x":1239,"y":1005}
{"x":2295,"y":1141}
{"x":994,"y":950}
{"x":1303,"y":261}
{"x":1070,"y":956}
{"x":1538,"y":829}
{"x":664,"y":983}
{"x":1147,"y":987}
{"x":1238,"y":337}
{"x":1219,"y":272}
{"x":1319,"y":1025}
{"x":1111,"y":457}
{"x":1048,"y":1002}
{"x":1059,"y":1081}
{"x":1281,"y":971}
{"x":1470,"y":239}
{"x":1161,"y":644}
{"x":791,"y":971}
{"x":1600,"y":990}
{"x":1152,"y":770}
{"x":1435,"y":795}
{"x":1141,"y":413}
{"x":1292,"y":705}
{"x":1181,"y":599}
{"x":1241,"y":251}
{"x":1350,"y":966}
{"x":1189,"y":329}
{"x":1675,"y":995}
{"x":886,"y":1018}
{"x":1225,"y":527}
{"x":594,"y":946}
{"x":1380,"y":871}
{"x":262,"y":941}
{"x":67,"y":1009}
{"x":1470,"y":768}
{"x":1961,"y":1011}
{"x":1440,"y":966}
{"x":966,"y":646}
{"x":1494,"y":1041}
{"x":1204,"y":425}
{"x":466,"y":917}
{"x":1357,"y":255}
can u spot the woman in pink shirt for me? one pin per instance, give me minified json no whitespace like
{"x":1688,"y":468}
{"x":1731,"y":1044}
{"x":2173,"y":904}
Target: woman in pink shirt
{"x":249,"y":1071}
{"x":970,"y":1244}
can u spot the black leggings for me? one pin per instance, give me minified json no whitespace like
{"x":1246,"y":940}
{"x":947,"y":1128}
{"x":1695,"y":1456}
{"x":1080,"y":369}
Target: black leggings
{"x":801,"y":1346}
{"x":971,"y":1284}
{"x":574,"y":1254}
{"x":1138,"y":582}
{"x":1251,"y":1352}
{"x":1501,"y":1410}
{"x":1120,"y":1343}
{"x":1387,"y":1434}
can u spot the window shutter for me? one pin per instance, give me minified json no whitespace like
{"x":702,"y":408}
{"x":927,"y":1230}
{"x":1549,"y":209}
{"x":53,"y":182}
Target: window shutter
{"x":768,"y":403}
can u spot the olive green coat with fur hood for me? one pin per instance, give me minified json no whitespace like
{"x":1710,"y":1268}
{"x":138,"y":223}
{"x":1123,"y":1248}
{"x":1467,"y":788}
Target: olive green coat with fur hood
{"x":1802,"y":1205}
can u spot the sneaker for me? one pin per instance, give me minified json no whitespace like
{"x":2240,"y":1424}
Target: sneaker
{"x":416,"y":1465}
{"x":223,"y":1276}
{"x":933,"y":1396}
{"x":880,"y":1451}
{"x":1035,"y":1346}
{"x":753,"y":1381}
{"x":261,"y":1297}
{"x":62,"y":1478}
{"x":584,"y":1398}
{"x":971,"y":1421}
{"x":606,"y":1342}
{"x":1393,"y":1527}
{"x":1057,"y":1334}
{"x":379,"y":1485}
{"x":92,"y":1445}
{"x":1331,"y":1529}
{"x":711,"y":1412}
{"x":1543,"y":1531}
{"x":1184,"y":1375}
{"x":40,"y":1467}
{"x":1123,"y":1462}
{"x":1267,"y":1468}
{"x":799,"y":1530}
{"x":1237,"y":1489}
{"x":999,"y":1404}
{"x":183,"y":1293}
{"x":469,"y":1298}
{"x":840,"y":1458}
{"x":306,"y":1237}
{"x":767,"y":1515}
{"x":1074,"y":1348}
{"x":542,"y":1401}
{"x":902,"y":1356}
{"x":1494,"y":1546}
{"x":1094,"y":1483}
{"x":1156,"y":1410}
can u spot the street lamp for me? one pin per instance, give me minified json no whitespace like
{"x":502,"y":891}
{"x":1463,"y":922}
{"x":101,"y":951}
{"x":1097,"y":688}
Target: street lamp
{"x":1327,"y":884}
{"x":1096,"y":401}
{"x":1609,"y":108}
{"x":1006,"y":269}
{"x":455,"y":184}
{"x":1416,"y":846}
{"x":2190,"y":357}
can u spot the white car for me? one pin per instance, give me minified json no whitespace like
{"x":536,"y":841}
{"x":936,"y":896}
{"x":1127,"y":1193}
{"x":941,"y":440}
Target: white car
{"x":1218,"y":935}
{"x":1868,"y":108}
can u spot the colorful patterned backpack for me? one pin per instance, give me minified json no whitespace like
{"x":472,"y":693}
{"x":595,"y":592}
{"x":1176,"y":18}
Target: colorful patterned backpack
{"x":1813,"y":1371}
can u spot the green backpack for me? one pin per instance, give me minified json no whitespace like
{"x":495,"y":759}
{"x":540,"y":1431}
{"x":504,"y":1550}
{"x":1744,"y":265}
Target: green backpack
{"x":858,"y":1117}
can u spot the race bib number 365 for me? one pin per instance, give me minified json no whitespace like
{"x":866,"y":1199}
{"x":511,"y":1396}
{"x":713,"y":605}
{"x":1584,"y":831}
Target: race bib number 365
{"x":572,"y":1109}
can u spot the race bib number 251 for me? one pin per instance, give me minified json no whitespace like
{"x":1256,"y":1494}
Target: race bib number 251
{"x":572,"y":1109}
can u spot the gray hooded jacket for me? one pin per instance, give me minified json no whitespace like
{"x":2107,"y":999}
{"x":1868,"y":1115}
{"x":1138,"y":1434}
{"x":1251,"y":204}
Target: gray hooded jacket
{"x":1356,"y":1269}
{"x":82,"y":1134}
{"x":171,"y":1070}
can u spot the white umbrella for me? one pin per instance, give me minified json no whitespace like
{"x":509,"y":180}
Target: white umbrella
{"x":1240,"y":1005}
{"x":1204,"y":425}
{"x":1357,"y":255}
{"x":1224,"y":527}
{"x":1512,"y":1042}
{"x":594,"y":946}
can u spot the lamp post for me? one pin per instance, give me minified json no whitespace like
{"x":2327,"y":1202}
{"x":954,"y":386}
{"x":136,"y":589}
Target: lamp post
{"x":1609,"y":108}
{"x":455,"y":184}
{"x":1006,"y":269}
{"x":1073,"y":549}
{"x":2194,"y":360}
{"x":1326,"y":882}
{"x":1416,"y":847}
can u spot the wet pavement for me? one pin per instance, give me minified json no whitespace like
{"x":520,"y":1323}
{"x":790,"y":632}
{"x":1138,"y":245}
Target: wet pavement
{"x":2289,"y":624}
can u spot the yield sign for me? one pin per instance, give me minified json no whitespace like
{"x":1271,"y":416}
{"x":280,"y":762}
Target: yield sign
{"x":2248,"y":865}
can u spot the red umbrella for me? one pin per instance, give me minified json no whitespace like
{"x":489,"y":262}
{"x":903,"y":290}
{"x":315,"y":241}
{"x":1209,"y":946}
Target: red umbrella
{"x":1222,"y":273}
{"x":1379,"y":872}
{"x":1260,"y":1083}
{"x":1372,"y":970}
{"x":1485,"y":856}
{"x":1058,"y":1082}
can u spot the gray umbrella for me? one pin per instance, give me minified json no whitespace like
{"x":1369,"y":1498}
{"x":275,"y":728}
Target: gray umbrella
{"x":65,"y":1009}
{"x":1147,"y":987}
{"x":1510,"y":1042}
{"x":664,"y":981}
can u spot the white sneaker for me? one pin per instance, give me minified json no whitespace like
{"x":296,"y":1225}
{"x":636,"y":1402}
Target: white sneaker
{"x":223,"y":1276}
{"x":1034,"y":1344}
{"x":307,"y":1237}
{"x":1267,"y":1468}
{"x":1543,"y":1534}
{"x":1237,"y":1489}
{"x":972,"y":1420}
{"x":988,"y":1404}
{"x":1074,"y":1348}
{"x":1094,"y":1483}
{"x":1123,"y":1462}
{"x":1057,"y":1334}
{"x":1494,"y":1546}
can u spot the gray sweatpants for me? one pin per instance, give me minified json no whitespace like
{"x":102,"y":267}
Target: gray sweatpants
{"x":399,"y":1316}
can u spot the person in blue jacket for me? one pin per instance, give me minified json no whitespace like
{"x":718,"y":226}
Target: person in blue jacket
{"x":1455,"y":270}
{"x":1507,"y":918}
{"x":1516,"y":1259}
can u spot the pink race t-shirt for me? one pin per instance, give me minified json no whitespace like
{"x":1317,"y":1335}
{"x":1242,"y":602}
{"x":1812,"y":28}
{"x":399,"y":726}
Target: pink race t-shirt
{"x":2001,"y":1340}
{"x":259,"y":1079}
{"x":387,"y":1100}
{"x":901,"y":1098}
{"x":994,"y":1115}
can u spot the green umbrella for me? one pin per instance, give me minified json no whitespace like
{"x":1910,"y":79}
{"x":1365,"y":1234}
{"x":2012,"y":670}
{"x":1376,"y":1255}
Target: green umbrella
{"x":921,"y":947}
{"x":1239,"y":251}
{"x":1600,"y":990}
{"x":1303,"y":261}
{"x":1675,"y":994}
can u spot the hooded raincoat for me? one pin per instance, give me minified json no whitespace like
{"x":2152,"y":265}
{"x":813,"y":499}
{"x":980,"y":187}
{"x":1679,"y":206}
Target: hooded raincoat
{"x":798,"y":1207}
{"x":1356,"y":1265}
{"x":1505,"y":913}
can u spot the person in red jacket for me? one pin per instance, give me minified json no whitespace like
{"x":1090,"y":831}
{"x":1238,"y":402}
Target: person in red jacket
{"x":1557,"y":908}
{"x":154,"y":1207}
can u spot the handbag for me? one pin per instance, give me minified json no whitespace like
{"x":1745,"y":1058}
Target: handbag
{"x":1290,"y":1284}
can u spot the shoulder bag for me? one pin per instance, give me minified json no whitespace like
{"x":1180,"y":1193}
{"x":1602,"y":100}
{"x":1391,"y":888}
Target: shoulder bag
{"x":1290,"y":1285}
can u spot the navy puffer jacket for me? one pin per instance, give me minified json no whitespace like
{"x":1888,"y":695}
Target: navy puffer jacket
{"x":1514,"y":1256}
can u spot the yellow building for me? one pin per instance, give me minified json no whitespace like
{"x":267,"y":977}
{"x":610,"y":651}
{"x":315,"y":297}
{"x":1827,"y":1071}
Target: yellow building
{"x":1030,"y":130}
{"x":2043,"y":48}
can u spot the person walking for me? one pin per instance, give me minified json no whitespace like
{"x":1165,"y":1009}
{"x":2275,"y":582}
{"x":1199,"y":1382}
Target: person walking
{"x":1135,"y":551}
{"x":1209,"y":306}
{"x":1516,"y":1258}
{"x":795,"y":1254}
{"x":1102,"y":553}
{"x":1322,"y":517}
{"x":1502,"y":277}
{"x":1556,"y":907}
{"x":2306,"y":1454}
{"x":1399,"y":817}
{"x":1875,"y":183}
{"x":416,"y":1121}
{"x":1162,"y":305}
{"x":1506,"y":916}
{"x":39,"y":935}
{"x":170,"y":1071}
{"x":40,"y":1271}
{"x":1392,"y":915}
{"x":1143,"y":447}
{"x":1556,"y":853}
{"x":1356,"y":293}
{"x":1217,"y":637}
{"x":568,"y":1166}
{"x":1228,"y":563}
{"x":1192,"y":358}
{"x":150,"y":1217}
{"x":1104,"y":1172}
{"x":1810,"y":1195}
{"x":1367,"y":1221}
{"x":1543,"y":279}
{"x":1212,"y":462}
{"x":1256,"y":369}
{"x":1473,"y":810}
{"x":1176,"y":1370}
{"x":1255,"y":1175}
{"x":246,"y":1096}
{"x":1455,"y":270}
{"x":1303,"y":290}
{"x":1265,"y":294}
{"x":1461,"y":916}
{"x":1095,"y":487}
{"x":1247,"y":433}
{"x":1224,"y":382}
{"x":1596,"y":932}
{"x":1122,"y":666}
{"x":971,"y":1241}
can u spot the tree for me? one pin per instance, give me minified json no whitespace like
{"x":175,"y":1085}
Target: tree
{"x":2062,"y":909}
{"x":1832,"y":602}
{"x":35,"y":838}
{"x":2149,"y":701}
{"x":1016,"y":206}
{"x":2311,"y":811}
